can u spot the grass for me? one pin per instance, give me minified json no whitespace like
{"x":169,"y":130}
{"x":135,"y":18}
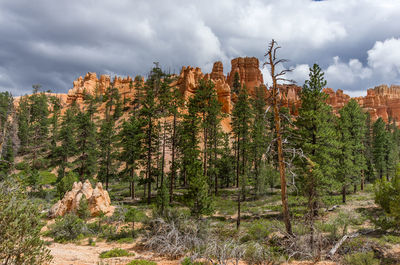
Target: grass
{"x":47,"y":178}
{"x":115,"y":252}
{"x":141,"y":262}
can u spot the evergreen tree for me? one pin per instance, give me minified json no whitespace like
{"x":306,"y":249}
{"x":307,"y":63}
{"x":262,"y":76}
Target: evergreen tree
{"x":368,"y":149}
{"x":54,"y":121}
{"x":147,"y":98}
{"x":351,"y":157}
{"x":379,"y":146}
{"x":107,"y":139}
{"x":67,"y":148}
{"x":86,"y":144}
{"x":258,"y":137}
{"x":241,"y":117}
{"x":176,"y":105}
{"x":317,"y":140}
{"x":23,"y":123}
{"x":38,"y":125}
{"x":131,"y":141}
{"x":199,"y":201}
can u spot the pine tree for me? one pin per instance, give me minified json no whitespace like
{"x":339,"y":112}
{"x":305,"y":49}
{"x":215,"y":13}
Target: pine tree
{"x":38,"y":126}
{"x":23,"y":124}
{"x":379,"y":146}
{"x":147,"y":98}
{"x":191,"y":167}
{"x":351,"y":157}
{"x":258,"y":137}
{"x":107,"y":139}
{"x":86,"y":143}
{"x":67,"y":148}
{"x":54,"y":121}
{"x":317,"y":140}
{"x":131,"y":141}
{"x":241,"y":117}
{"x":175,"y":106}
{"x":368,"y":149}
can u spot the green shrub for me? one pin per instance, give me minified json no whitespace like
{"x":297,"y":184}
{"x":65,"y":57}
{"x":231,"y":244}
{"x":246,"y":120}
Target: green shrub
{"x":22,"y":166}
{"x":65,"y":183}
{"x":141,"y":262}
{"x":391,"y":239}
{"x":188,"y":261}
{"x":115,"y":252}
{"x":20,"y":225}
{"x":83,"y":208}
{"x":259,"y":230}
{"x":47,"y":178}
{"x":387,"y":196}
{"x":67,"y":228}
{"x":255,"y":254}
{"x":361,"y":258}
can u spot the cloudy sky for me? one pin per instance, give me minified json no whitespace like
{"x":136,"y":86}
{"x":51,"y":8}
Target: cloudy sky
{"x":47,"y":42}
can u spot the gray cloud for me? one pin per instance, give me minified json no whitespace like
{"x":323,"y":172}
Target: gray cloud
{"x":54,"y":42}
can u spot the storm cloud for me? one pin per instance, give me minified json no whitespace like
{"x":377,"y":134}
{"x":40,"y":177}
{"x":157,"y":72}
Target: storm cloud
{"x":51,"y":43}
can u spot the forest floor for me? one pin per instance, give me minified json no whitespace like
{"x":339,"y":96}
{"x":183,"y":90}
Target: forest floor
{"x":360,"y":206}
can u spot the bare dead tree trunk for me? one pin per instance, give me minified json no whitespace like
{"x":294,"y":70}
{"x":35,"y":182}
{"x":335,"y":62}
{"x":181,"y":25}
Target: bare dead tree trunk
{"x":272,"y":61}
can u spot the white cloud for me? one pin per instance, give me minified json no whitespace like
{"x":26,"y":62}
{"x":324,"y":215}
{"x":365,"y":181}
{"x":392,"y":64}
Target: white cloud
{"x":53,"y":42}
{"x":384,"y":58}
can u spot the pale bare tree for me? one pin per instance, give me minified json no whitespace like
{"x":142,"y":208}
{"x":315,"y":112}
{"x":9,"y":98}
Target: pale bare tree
{"x":272,"y":62}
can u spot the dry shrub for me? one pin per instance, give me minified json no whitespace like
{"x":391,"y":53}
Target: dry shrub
{"x":175,"y":235}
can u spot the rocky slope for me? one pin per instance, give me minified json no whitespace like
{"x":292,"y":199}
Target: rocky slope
{"x":381,"y":101}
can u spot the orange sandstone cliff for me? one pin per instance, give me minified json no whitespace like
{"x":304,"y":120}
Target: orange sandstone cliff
{"x":381,"y":101}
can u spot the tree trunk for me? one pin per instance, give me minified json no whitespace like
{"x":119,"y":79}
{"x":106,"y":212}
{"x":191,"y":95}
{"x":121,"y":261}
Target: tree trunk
{"x":163,"y":157}
{"x":132,"y":185}
{"x":238,"y":205}
{"x":362,"y":181}
{"x":277,"y":120}
{"x":237,"y":162}
{"x":344,"y":194}
{"x":355,"y":187}
{"x":173,"y":170}
{"x":215,"y":160}
{"x":149,"y":142}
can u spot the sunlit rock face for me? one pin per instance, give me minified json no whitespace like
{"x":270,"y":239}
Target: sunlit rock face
{"x":381,"y":101}
{"x":98,"y":200}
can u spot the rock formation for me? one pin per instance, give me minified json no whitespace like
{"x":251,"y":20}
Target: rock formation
{"x":91,"y":85}
{"x":249,"y":72}
{"x":98,"y":200}
{"x":381,"y":101}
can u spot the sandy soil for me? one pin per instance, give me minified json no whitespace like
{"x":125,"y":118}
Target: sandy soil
{"x":66,"y":254}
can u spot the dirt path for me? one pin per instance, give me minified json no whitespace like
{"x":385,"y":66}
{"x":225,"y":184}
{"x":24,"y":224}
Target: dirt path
{"x":73,"y":254}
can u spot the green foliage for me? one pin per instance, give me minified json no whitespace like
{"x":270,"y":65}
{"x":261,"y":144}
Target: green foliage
{"x":379,"y":146}
{"x":83,"y":208}
{"x":68,"y":228}
{"x":142,"y":262}
{"x":361,"y":258}
{"x":115,"y":252}
{"x":259,"y":230}
{"x":20,"y":226}
{"x":162,"y":200}
{"x":387,"y":197}
{"x":317,"y":139}
{"x":107,"y":139}
{"x":65,"y":183}
{"x":351,"y":128}
{"x":86,"y":144}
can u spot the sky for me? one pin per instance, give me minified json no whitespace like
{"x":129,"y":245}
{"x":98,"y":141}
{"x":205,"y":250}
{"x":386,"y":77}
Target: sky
{"x":47,"y":42}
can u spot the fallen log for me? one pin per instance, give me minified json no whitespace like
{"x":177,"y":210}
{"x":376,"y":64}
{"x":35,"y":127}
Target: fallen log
{"x":332,"y":252}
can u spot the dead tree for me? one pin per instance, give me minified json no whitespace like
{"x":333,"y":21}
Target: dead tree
{"x":272,"y":62}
